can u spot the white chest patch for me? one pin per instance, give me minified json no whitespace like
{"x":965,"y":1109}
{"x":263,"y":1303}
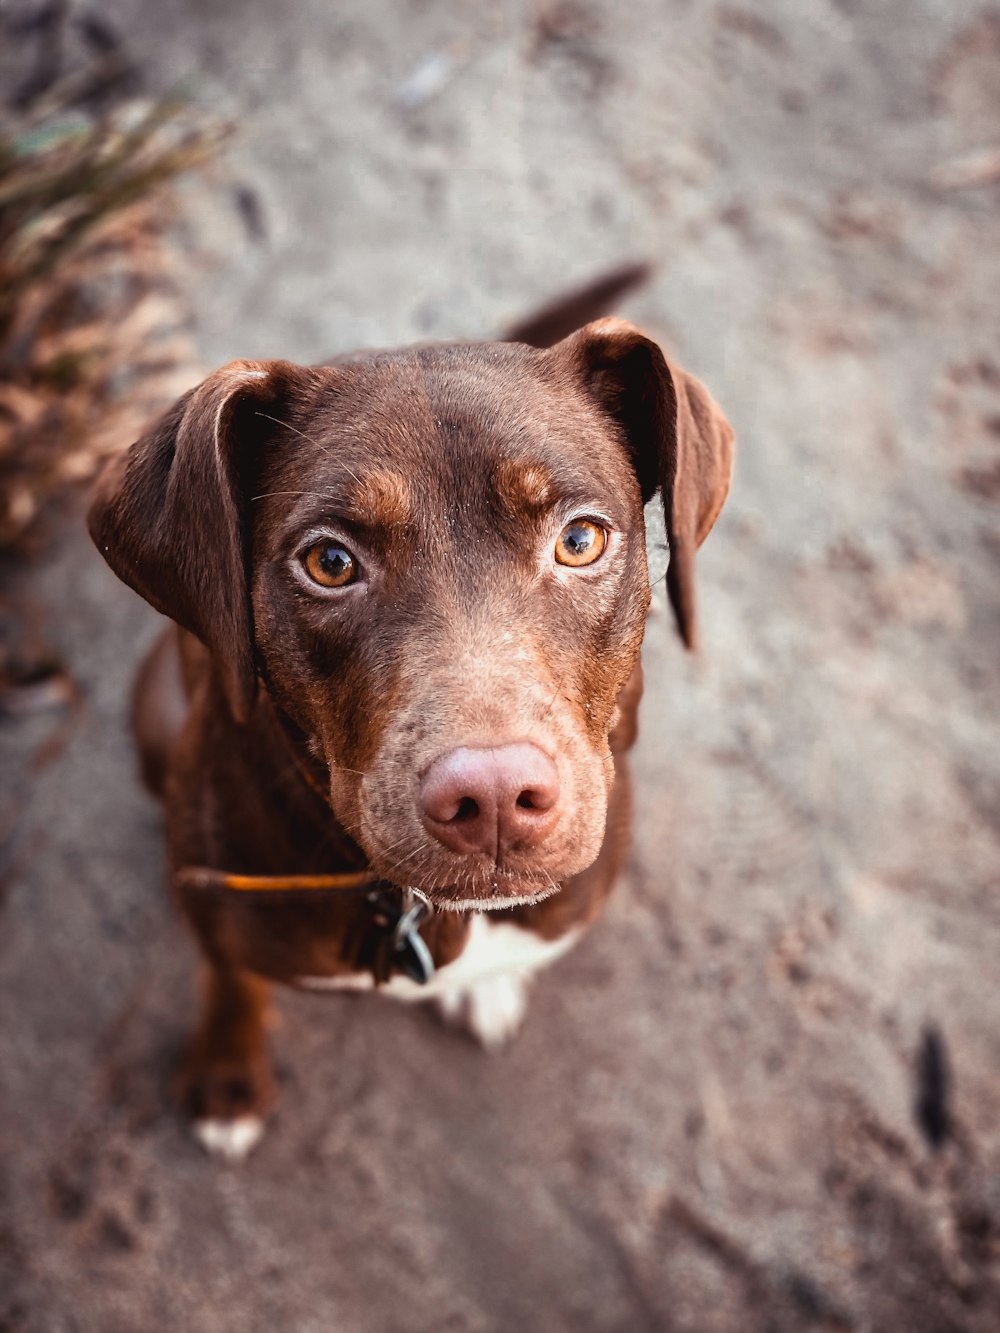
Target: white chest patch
{"x":493,"y":949}
{"x":485,"y":989}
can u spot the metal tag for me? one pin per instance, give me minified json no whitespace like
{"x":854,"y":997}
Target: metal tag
{"x":412,"y":956}
{"x":402,"y":947}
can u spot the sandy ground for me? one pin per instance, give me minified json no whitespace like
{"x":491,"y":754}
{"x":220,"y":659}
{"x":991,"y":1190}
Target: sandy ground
{"x":708,"y":1121}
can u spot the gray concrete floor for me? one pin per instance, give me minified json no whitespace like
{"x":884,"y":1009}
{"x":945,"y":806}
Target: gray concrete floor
{"x":708,"y":1120}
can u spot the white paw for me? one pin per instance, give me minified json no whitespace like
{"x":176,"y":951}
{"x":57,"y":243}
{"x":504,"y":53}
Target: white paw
{"x":229,"y":1139}
{"x":491,"y":1009}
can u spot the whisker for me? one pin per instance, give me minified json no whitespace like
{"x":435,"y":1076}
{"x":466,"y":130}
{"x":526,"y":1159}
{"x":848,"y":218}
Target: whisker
{"x":310,"y":439}
{"x":552,"y":701}
{"x":415,"y":874}
{"x":320,"y":495}
{"x":387,"y":851}
{"x":295,"y":430}
{"x":401,"y":861}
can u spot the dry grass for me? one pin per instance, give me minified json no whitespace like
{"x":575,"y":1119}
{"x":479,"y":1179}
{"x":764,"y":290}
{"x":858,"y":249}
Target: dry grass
{"x":92,"y":338}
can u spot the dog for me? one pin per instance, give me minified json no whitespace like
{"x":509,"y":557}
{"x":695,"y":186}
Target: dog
{"x":391,"y":720}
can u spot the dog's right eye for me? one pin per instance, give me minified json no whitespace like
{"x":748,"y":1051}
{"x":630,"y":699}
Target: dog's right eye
{"x":329,"y":565}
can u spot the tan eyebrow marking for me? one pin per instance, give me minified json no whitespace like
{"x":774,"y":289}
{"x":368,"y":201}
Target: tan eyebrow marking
{"x":522,"y":486}
{"x":382,"y":499}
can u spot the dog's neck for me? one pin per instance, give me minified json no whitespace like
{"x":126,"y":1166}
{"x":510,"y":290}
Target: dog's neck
{"x":310,"y":772}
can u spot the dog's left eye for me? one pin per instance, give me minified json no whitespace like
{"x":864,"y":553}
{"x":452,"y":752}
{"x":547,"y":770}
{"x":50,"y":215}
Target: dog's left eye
{"x":581,"y":543}
{"x":329,"y":565}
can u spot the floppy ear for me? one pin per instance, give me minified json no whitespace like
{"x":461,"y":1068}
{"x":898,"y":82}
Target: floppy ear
{"x":168,"y":514}
{"x":681,"y":443}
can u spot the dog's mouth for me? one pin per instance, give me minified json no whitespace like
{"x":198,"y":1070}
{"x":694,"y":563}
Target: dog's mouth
{"x":488,"y":893}
{"x":495,"y":897}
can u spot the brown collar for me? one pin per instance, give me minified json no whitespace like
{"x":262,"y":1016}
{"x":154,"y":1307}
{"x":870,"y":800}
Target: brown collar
{"x":393,"y":943}
{"x":203,"y":877}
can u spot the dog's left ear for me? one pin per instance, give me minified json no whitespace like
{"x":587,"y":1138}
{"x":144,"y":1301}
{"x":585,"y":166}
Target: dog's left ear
{"x":680,"y":442}
{"x":168,"y":515}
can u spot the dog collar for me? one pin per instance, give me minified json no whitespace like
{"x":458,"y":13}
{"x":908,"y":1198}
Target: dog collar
{"x":394,"y":943}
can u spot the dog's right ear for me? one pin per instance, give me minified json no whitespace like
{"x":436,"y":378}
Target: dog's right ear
{"x":168,"y":514}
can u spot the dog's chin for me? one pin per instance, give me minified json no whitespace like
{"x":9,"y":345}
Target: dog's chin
{"x":493,"y":897}
{"x":484,"y":886}
{"x":491,"y":893}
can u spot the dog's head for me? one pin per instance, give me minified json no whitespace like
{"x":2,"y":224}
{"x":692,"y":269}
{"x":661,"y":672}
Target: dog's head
{"x":435,"y":560}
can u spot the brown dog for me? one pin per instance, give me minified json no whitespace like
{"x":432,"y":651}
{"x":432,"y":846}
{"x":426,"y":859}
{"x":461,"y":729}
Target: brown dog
{"x":411,"y":589}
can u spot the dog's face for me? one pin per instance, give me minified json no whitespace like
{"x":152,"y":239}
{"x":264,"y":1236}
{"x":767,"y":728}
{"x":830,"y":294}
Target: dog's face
{"x":450,"y":557}
{"x":435,"y":559}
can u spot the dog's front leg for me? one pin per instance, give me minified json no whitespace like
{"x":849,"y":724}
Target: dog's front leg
{"x":227,"y":1082}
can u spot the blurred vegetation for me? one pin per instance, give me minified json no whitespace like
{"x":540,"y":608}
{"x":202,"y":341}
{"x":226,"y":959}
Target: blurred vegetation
{"x":62,"y":178}
{"x":90,"y":327}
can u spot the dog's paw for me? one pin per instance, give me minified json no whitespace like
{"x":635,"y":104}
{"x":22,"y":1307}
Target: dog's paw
{"x":229,"y":1139}
{"x":491,"y":1010}
{"x":227,"y":1101}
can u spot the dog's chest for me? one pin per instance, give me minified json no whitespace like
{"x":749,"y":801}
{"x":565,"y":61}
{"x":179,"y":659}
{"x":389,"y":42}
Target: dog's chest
{"x":493,"y":949}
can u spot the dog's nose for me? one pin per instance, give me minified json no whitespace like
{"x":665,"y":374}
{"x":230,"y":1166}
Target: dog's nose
{"x":491,"y":800}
